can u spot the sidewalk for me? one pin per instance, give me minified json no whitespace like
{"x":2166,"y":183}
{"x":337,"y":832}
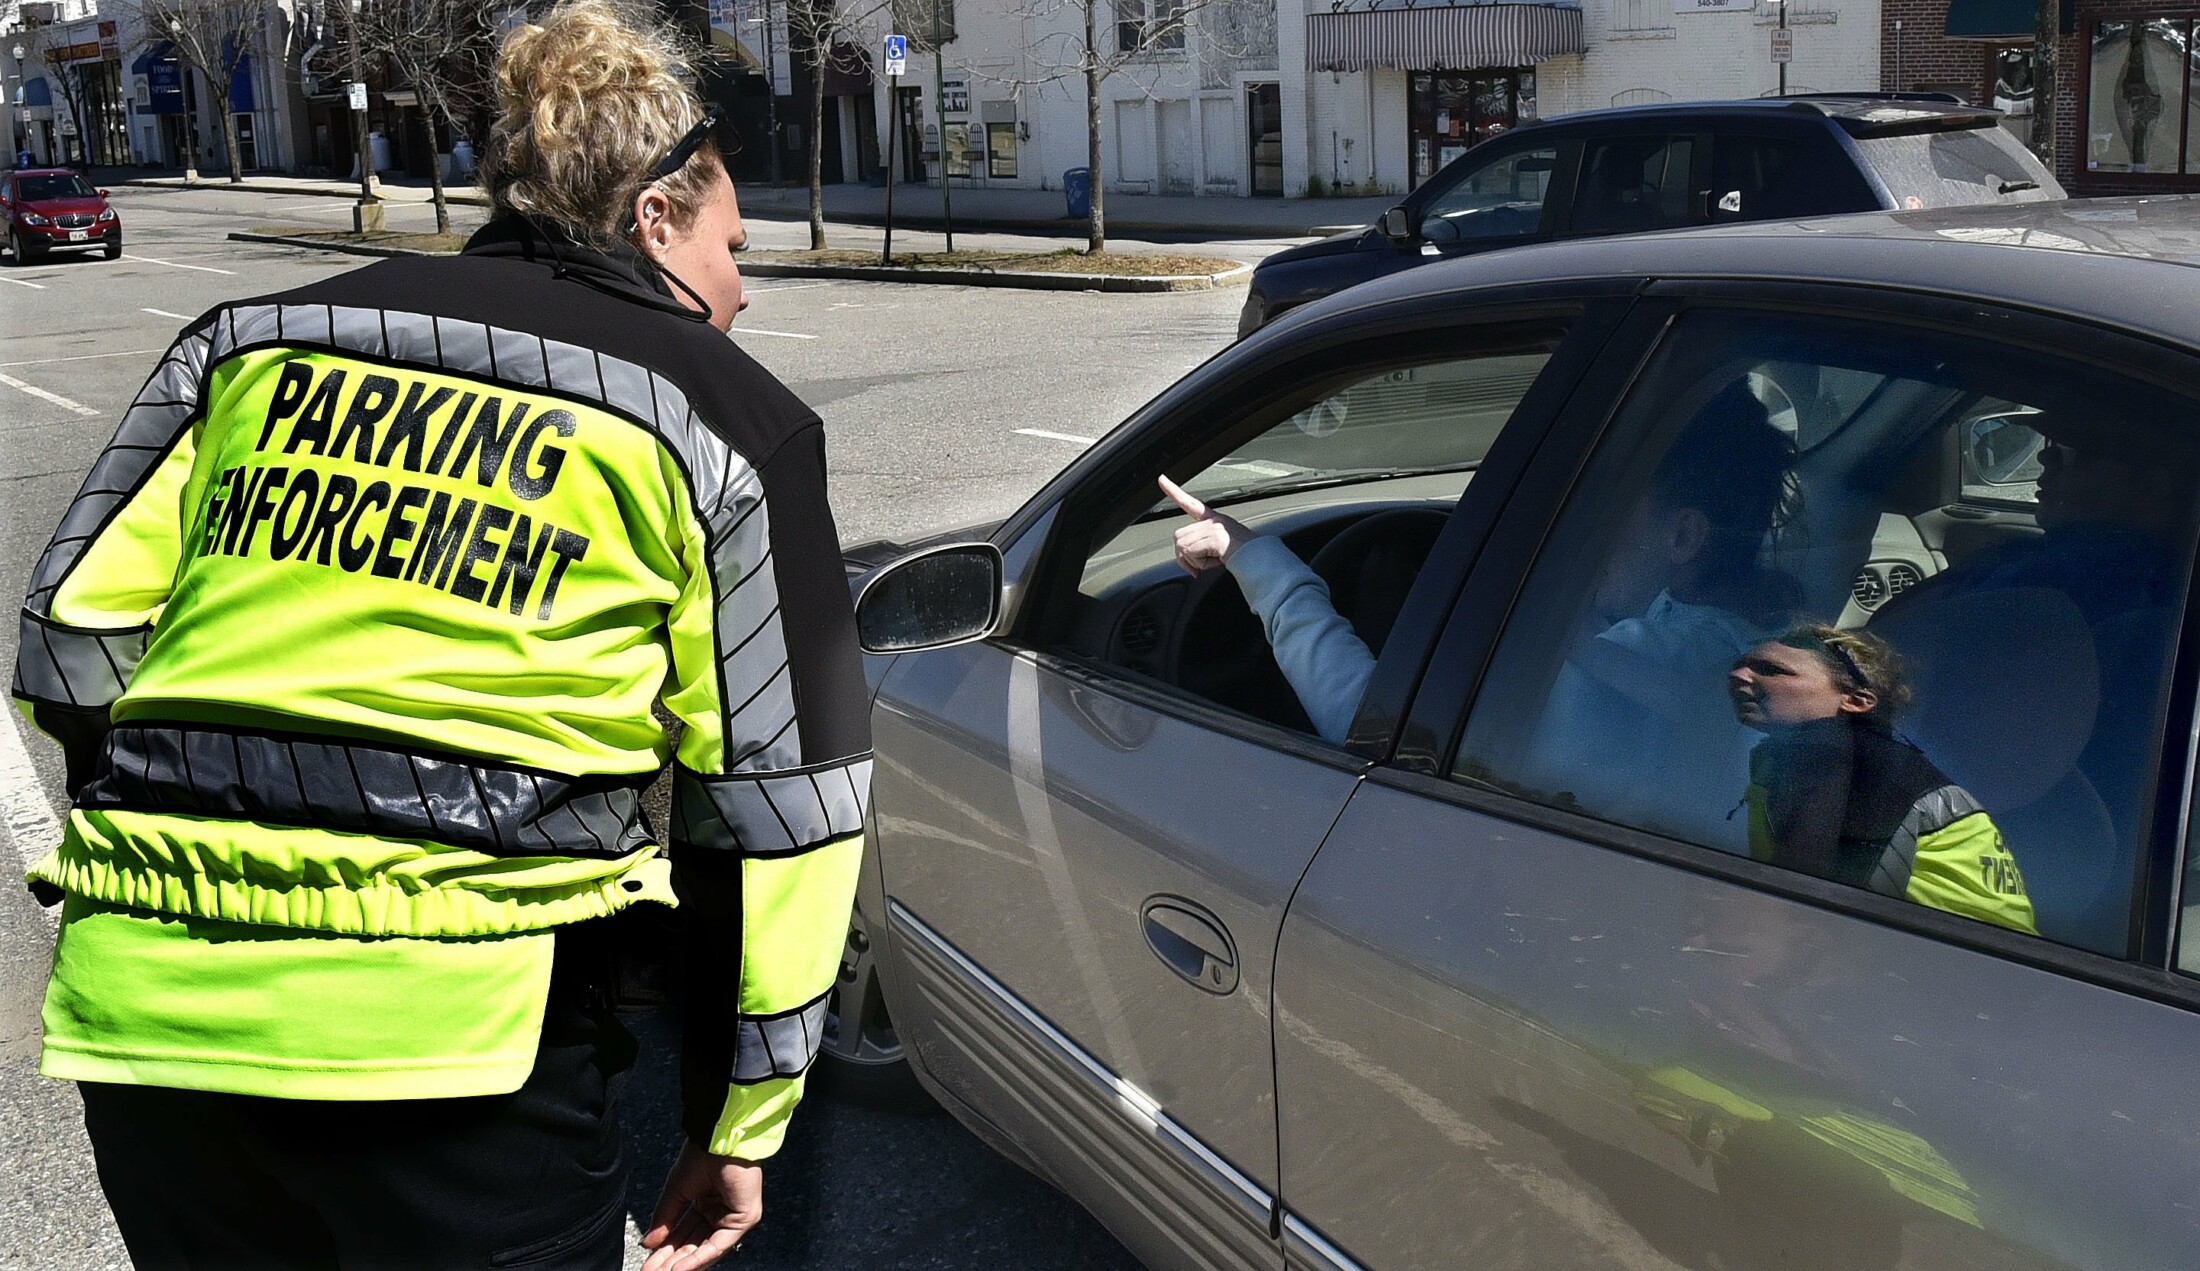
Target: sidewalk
{"x":915,"y":207}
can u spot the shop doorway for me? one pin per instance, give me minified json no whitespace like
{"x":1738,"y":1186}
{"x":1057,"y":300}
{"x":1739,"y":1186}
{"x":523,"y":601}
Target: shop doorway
{"x":1264,"y":136}
{"x":908,"y":108}
{"x":1449,"y":112}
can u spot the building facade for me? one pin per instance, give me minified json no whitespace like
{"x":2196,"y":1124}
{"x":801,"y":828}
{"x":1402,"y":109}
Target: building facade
{"x":1314,"y":97}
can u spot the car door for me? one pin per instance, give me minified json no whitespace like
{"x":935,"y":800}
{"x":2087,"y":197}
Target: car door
{"x":1557,"y":991}
{"x":1090,"y":826}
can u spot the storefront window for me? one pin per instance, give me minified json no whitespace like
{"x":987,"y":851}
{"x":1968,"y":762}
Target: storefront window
{"x":1453,"y":111}
{"x":2140,"y":104}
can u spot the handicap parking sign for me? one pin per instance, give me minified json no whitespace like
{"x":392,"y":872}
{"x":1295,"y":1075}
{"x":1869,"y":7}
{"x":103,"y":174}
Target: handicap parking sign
{"x":897,"y":55}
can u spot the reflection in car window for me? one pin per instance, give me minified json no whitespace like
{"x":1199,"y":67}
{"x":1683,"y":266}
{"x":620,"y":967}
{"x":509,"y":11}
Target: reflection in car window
{"x":39,"y":189}
{"x":1436,"y":417}
{"x":2017,"y":678}
{"x":1501,"y":199}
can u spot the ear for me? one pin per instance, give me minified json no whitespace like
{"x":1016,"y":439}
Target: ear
{"x":653,"y":223}
{"x":1684,"y":534}
{"x":1859,"y":701}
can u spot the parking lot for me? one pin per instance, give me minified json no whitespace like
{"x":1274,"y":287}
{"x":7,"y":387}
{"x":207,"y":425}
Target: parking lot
{"x":944,"y":406}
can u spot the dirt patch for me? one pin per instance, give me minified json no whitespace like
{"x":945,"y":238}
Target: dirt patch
{"x":1067,"y":260}
{"x":387,"y":238}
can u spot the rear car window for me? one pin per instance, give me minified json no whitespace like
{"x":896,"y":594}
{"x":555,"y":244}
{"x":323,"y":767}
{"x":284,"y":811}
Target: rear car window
{"x":1957,"y":168}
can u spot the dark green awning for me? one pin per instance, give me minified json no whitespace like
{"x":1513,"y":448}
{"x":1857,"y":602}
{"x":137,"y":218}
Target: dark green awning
{"x":2007,"y":20}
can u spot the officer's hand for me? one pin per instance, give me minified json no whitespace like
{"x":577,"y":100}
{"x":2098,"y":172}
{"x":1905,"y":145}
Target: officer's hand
{"x":709,"y":1203}
{"x":1211,"y":537}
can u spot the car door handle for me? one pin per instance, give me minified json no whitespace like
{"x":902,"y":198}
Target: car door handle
{"x":1191,"y":942}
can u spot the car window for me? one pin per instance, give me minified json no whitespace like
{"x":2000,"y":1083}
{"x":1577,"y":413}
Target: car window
{"x":1343,"y":488}
{"x":1957,"y":168}
{"x":1634,"y":183}
{"x":38,"y":189}
{"x":1689,"y":656}
{"x":1501,"y":199}
{"x":1765,"y":178}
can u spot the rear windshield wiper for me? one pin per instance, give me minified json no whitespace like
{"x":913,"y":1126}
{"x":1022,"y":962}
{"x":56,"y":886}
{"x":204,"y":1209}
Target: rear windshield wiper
{"x":2018,"y":187}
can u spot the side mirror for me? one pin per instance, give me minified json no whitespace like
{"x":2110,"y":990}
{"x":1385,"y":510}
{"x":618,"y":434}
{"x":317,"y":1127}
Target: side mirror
{"x":936,"y":598}
{"x":105,"y":193}
{"x":1397,"y":225}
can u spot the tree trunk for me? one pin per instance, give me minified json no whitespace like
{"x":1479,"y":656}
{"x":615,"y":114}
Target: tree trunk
{"x":229,"y":137}
{"x":1096,"y":237}
{"x":2046,"y":36}
{"x":820,"y":49}
{"x":435,"y":181}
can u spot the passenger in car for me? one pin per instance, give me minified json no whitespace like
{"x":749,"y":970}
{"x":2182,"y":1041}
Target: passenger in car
{"x":1834,"y":792}
{"x":1636,"y":726}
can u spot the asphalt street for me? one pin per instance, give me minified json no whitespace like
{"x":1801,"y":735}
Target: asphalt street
{"x":944,"y":406}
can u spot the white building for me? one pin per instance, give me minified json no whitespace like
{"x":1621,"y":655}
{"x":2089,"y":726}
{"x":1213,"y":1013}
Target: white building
{"x":1309,"y":97}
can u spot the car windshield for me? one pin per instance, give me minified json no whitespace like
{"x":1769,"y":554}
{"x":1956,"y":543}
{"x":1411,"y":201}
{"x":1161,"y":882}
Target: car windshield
{"x":1957,"y":169}
{"x":67,"y":185}
{"x":1386,"y":425}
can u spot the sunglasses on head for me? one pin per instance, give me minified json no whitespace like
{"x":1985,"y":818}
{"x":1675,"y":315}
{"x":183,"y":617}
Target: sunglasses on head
{"x":713,"y":127}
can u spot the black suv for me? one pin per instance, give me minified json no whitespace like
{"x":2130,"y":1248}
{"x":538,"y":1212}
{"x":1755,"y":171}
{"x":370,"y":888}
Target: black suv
{"x":1671,"y":167}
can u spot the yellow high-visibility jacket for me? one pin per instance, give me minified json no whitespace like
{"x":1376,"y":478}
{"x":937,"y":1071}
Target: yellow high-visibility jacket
{"x":352,"y":637}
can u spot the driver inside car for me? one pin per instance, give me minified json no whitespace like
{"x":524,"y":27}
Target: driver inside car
{"x":1638,"y":722}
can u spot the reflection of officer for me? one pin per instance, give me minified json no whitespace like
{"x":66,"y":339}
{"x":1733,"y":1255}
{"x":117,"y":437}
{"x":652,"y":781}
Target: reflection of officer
{"x":352,"y":637}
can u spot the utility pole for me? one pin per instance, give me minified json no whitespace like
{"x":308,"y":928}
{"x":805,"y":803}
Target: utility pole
{"x":1783,"y":65}
{"x":367,"y":216}
{"x":771,"y":82}
{"x":939,"y":100}
{"x":184,"y":71}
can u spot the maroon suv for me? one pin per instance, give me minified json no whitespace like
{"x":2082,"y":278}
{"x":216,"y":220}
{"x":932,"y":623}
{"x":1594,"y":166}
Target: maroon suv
{"x":53,"y":208}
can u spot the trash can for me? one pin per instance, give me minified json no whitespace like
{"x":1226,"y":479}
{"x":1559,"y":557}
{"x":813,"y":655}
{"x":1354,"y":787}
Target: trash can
{"x":1077,"y":188}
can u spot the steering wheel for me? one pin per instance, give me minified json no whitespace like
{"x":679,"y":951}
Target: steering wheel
{"x":1371,"y":564}
{"x":1218,"y":650}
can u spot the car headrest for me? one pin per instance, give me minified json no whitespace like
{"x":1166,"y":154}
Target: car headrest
{"x":2007,"y":684}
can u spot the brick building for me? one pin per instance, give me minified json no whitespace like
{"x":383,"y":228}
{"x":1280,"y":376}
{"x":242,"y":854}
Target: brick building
{"x":2127,"y":83}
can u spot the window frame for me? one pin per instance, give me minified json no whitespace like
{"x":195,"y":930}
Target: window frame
{"x":1436,"y":717}
{"x":1180,"y":429}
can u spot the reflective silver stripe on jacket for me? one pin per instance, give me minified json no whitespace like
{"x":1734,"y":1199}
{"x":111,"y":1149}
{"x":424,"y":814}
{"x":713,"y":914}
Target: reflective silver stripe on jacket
{"x":354,"y":788}
{"x":1934,"y":811}
{"x":774,"y":815}
{"x":773,"y":1046}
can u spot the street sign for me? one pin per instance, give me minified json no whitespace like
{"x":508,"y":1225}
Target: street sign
{"x":358,"y":93}
{"x":897,"y":55}
{"x":1783,"y":44}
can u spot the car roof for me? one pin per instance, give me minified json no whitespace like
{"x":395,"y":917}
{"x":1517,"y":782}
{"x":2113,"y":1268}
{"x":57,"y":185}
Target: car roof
{"x":2120,"y":262}
{"x":1860,"y":113}
{"x":47,"y":172}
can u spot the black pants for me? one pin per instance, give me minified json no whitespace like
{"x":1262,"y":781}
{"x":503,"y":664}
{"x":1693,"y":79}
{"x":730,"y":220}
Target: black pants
{"x":534,"y":1179}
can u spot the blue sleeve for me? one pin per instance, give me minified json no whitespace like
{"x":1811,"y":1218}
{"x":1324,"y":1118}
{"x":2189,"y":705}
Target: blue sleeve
{"x":1327,"y":664}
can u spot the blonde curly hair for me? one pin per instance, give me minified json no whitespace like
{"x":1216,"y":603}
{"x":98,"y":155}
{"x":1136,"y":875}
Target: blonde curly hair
{"x":588,"y":99}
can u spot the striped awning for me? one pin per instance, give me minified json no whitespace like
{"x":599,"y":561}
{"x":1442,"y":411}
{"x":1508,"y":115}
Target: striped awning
{"x":1442,"y":38}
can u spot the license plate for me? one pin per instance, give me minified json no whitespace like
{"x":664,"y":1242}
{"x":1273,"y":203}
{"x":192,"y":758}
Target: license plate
{"x":79,"y":235}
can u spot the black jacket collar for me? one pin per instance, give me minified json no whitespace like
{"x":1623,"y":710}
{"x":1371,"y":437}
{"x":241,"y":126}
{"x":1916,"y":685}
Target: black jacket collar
{"x":621,"y":272}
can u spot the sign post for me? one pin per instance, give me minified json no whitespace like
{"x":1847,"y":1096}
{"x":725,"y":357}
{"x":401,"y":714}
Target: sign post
{"x":939,"y":98}
{"x":897,"y":62}
{"x":1783,"y":46}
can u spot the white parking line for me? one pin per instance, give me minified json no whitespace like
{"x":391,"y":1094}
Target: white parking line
{"x":204,"y":269}
{"x":793,"y":286}
{"x":83,"y":357}
{"x":32,"y":828}
{"x":1071,"y":438}
{"x":36,"y":286}
{"x":789,"y":335}
{"x":41,"y":394}
{"x":163,"y":313}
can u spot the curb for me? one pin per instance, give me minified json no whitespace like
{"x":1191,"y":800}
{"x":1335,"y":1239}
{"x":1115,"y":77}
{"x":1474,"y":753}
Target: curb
{"x":1060,"y":226}
{"x":468,"y":198}
{"x":322,"y":245}
{"x":1024,"y":279}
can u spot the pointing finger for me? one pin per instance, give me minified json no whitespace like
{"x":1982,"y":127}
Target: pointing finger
{"x":1192,"y":507}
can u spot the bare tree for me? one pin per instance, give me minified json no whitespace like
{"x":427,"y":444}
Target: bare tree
{"x":443,"y":50}
{"x":212,"y":37}
{"x":816,"y":29}
{"x":1094,"y":41}
{"x":76,"y":95}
